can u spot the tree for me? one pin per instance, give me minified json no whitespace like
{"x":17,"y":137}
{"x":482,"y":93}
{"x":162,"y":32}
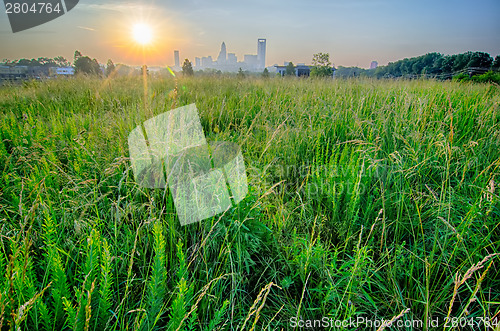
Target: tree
{"x":110,"y":68}
{"x":447,"y":65}
{"x":125,"y":70}
{"x":290,"y":69}
{"x":480,"y":60}
{"x":240,"y":74}
{"x":61,"y":61}
{"x":77,"y":55}
{"x":25,"y":62}
{"x":187,"y":68}
{"x":45,"y":61}
{"x":496,"y":64}
{"x":322,"y":67}
{"x":265,"y":73}
{"x":461,"y":61}
{"x":435,"y":65}
{"x":343,"y":72}
{"x":85,"y":65}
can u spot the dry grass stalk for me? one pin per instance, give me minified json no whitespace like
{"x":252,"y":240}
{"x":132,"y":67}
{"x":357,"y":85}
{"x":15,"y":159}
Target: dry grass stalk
{"x":459,"y":281}
{"x":131,"y":262}
{"x":88,"y":307}
{"x":374,"y":223}
{"x":22,"y":311}
{"x":490,"y":190}
{"x":262,"y":296}
{"x":432,"y":192}
{"x":2,"y":311}
{"x":478,"y":285}
{"x":272,"y":319}
{"x":459,"y":237}
{"x":302,"y":297}
{"x":394,"y":319}
{"x":203,"y":292}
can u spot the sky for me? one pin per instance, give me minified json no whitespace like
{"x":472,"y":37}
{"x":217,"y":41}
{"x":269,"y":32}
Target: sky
{"x":353,"y":32}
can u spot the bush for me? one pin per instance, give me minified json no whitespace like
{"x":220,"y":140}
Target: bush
{"x":489,"y":77}
{"x":461,"y":78}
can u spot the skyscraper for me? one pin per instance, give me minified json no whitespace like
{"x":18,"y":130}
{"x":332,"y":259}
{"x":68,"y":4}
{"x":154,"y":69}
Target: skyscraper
{"x":206,"y":62}
{"x":373,"y":65}
{"x":176,"y":59}
{"x":261,"y":53}
{"x":251,"y":61}
{"x":221,"y":59}
{"x":231,"y":58}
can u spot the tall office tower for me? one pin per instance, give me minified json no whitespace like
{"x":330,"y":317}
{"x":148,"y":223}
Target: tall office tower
{"x":261,"y":53}
{"x":221,"y":59}
{"x":176,"y":58}
{"x":197,"y":62}
{"x":373,"y":65}
{"x":231,"y":58}
{"x":206,"y":62}
{"x":251,"y":62}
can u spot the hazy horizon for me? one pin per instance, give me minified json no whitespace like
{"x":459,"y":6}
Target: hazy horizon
{"x":354,"y":33}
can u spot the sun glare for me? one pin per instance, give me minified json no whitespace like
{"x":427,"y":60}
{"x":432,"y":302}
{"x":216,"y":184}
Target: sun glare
{"x":142,"y":33}
{"x":139,"y":36}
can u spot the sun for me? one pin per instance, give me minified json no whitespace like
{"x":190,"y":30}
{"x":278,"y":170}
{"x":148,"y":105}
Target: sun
{"x":142,"y":33}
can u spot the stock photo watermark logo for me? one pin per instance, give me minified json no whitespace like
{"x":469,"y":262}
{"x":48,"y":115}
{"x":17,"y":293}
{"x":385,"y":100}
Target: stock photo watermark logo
{"x":171,"y":150}
{"x":26,"y":14}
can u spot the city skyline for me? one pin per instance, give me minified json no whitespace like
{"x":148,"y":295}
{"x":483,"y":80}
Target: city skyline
{"x":229,"y":61}
{"x":354,"y":33}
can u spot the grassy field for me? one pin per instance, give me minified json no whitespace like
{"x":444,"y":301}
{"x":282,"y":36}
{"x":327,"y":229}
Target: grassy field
{"x":368,"y":199}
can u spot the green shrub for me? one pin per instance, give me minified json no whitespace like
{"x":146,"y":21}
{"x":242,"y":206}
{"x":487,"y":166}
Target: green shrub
{"x":489,"y":77}
{"x":461,"y":78}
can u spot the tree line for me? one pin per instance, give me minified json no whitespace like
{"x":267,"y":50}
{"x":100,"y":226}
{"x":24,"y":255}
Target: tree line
{"x":58,"y":61}
{"x":431,"y":65}
{"x":82,"y":64}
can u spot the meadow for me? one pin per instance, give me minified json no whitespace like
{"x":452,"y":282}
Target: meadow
{"x":368,"y":199}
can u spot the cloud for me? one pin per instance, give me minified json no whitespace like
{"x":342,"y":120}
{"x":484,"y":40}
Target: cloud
{"x":86,"y":28}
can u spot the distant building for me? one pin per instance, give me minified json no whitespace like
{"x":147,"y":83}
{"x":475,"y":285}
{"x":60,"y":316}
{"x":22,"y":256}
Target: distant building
{"x":64,"y":71}
{"x":176,"y":59}
{"x":11,"y":73}
{"x":251,"y":61}
{"x":26,"y":72}
{"x":38,"y":71}
{"x":197,"y":62}
{"x":301,"y":69}
{"x":207,"y":62}
{"x":261,"y":53}
{"x":231,"y":58}
{"x":373,"y":65}
{"x":221,"y":59}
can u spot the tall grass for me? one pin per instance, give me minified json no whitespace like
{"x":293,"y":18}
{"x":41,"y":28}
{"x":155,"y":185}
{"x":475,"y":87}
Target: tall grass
{"x":366,"y":198}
